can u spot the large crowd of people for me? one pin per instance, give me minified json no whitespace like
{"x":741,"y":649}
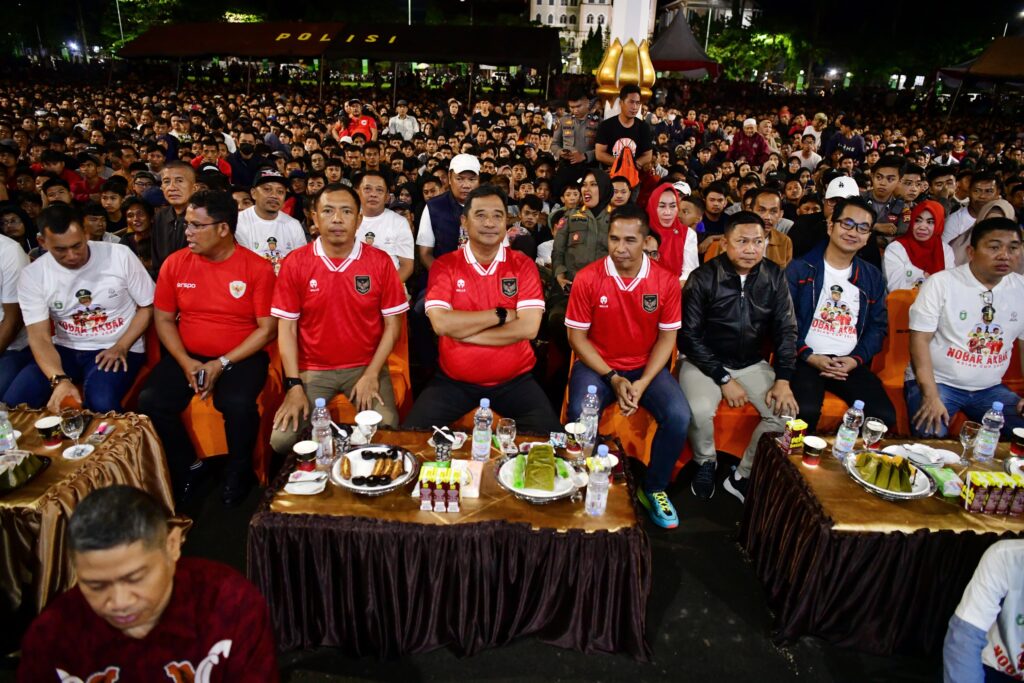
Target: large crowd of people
{"x":672,"y":256}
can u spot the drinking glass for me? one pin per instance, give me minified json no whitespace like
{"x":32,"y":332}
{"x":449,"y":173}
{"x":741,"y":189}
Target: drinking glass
{"x":507,"y":434}
{"x":968,"y":435}
{"x":873,"y":431}
{"x":72,"y":423}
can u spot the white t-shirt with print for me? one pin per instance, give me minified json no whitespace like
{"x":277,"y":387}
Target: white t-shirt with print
{"x":994,"y":602}
{"x":833,"y":330}
{"x":970,"y":349}
{"x":13,"y":260}
{"x":91,"y":306}
{"x":273,"y":240}
{"x":389,"y":232}
{"x":901,"y":273}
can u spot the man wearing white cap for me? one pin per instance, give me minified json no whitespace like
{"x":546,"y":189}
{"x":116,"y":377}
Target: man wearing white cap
{"x":749,"y":145}
{"x":441,"y":231}
{"x":810,"y":229}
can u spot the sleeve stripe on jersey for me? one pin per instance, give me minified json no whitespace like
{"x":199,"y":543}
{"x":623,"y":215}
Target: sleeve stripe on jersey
{"x":395,"y":310}
{"x":576,"y":325}
{"x":670,"y":326}
{"x":530,"y":303}
{"x":287,"y":315}
{"x":437,"y":303}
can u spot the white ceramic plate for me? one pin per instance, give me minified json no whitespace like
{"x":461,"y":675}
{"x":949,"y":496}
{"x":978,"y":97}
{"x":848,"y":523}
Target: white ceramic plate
{"x":1014,"y":465}
{"x":363,"y":468}
{"x":78,"y":452}
{"x":921,"y":484}
{"x":306,"y":488}
{"x":563,"y":487}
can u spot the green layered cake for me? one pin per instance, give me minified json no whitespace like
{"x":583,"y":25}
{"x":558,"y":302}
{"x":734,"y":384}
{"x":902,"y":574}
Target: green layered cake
{"x":17,"y":467}
{"x":540,"y":468}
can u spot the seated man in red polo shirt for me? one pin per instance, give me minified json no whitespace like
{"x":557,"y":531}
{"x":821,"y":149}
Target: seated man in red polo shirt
{"x":140,"y":611}
{"x":339,"y":303}
{"x":213,"y":318}
{"x":485,"y":304}
{"x":623,"y":316}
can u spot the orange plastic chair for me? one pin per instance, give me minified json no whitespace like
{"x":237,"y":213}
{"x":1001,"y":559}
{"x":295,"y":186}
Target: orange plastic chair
{"x":401,"y":381}
{"x":891,"y":362}
{"x":713,"y":250}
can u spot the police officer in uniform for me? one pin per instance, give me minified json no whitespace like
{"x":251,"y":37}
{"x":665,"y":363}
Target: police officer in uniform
{"x":576,"y":132}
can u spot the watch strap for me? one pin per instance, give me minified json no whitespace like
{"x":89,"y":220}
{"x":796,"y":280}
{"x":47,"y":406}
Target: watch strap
{"x":609,"y":376}
{"x":502,"y":315}
{"x":292,"y":382}
{"x":57,"y":379}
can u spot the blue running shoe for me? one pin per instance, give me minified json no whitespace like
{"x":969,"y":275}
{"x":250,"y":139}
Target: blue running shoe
{"x":659,"y":507}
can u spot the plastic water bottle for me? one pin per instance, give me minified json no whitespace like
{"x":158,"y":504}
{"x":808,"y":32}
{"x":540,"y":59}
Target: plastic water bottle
{"x":482,"y":430}
{"x":589,"y":417}
{"x":7,"y":440}
{"x":848,"y":432}
{"x":988,"y":435}
{"x":321,"y":420}
{"x":597,"y":487}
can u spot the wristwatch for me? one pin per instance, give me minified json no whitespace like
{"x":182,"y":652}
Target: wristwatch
{"x":502,"y":315}
{"x":225,"y":364}
{"x":292,"y":382}
{"x":725,"y":379}
{"x":609,"y":376}
{"x":57,"y":379}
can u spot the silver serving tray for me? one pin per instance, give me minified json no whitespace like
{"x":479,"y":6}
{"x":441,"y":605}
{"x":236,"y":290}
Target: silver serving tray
{"x":535,"y":500}
{"x":924,"y":486}
{"x":412,"y":468}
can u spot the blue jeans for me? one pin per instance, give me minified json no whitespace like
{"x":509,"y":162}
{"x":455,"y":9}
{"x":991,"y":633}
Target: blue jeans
{"x":973,"y":404}
{"x":101,"y":391}
{"x":11,"y":363}
{"x":663,"y":399}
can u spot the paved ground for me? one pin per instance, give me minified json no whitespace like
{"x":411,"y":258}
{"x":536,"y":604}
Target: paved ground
{"x":707,"y":619}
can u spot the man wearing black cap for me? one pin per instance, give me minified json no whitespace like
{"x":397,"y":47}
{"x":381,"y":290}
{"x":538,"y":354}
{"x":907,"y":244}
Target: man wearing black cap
{"x":403,"y":124}
{"x":244,"y":161}
{"x":87,"y":188}
{"x":265,"y":221}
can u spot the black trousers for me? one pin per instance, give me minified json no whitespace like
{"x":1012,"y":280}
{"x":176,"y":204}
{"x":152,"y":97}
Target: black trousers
{"x":445,"y":400}
{"x":167,"y":393}
{"x":809,"y":388}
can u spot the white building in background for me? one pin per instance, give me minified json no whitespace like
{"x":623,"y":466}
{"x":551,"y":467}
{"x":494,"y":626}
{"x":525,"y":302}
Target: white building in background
{"x":575,"y":18}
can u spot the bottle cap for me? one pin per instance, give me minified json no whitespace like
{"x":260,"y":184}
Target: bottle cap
{"x":321,"y":403}
{"x":602,"y":451}
{"x":858,"y":404}
{"x":591,"y":389}
{"x":997,"y":406}
{"x":485,"y":403}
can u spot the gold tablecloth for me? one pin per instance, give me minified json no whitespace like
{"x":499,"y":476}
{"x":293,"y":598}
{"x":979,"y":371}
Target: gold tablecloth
{"x":851,"y":508}
{"x":494,"y":503}
{"x":34,"y":563}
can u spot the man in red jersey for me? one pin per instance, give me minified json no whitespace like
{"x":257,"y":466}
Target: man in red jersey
{"x":339,"y":304}
{"x":623,"y":316}
{"x":213,"y":319}
{"x":485,"y":304}
{"x":141,"y":612}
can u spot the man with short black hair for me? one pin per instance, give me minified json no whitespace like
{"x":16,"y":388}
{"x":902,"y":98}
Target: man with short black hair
{"x":403,"y":124}
{"x":625,"y":130}
{"x":264,"y":227}
{"x":140,"y":611}
{"x":842,"y":320}
{"x":884,"y":198}
{"x":984,"y":188}
{"x":213,"y":319}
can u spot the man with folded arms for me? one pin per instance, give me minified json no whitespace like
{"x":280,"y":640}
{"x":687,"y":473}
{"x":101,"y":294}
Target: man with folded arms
{"x":962,"y":330}
{"x":733,"y":306}
{"x":339,"y":305}
{"x":623,"y":317}
{"x":213,"y":318}
{"x":141,"y":611}
{"x":485,"y":304}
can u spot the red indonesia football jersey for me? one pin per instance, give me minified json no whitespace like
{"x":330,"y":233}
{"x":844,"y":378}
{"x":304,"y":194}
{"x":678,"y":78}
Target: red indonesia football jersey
{"x":622,"y":317}
{"x":340,"y":306}
{"x":459,"y":282}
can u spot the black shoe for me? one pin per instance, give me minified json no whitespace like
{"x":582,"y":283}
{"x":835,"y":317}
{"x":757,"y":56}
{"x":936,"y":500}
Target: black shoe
{"x":193,"y":481}
{"x":736,"y":485}
{"x":235,"y":489}
{"x":703,"y":485}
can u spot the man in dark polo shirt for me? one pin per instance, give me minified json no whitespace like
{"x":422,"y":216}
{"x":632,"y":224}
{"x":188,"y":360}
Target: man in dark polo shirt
{"x":141,"y":612}
{"x":485,"y":304}
{"x":178,"y":182}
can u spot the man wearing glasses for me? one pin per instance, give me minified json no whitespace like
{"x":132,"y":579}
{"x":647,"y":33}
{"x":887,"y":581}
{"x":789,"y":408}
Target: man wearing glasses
{"x":213,"y":318}
{"x":839,"y":300}
{"x":962,"y":330}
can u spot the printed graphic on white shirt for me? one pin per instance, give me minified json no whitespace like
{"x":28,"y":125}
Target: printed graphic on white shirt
{"x":984,"y":343}
{"x":833,"y":329}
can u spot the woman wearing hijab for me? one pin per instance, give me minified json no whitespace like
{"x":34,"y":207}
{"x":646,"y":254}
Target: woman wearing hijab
{"x":678,"y":250}
{"x":18,"y":226}
{"x":997,"y":208}
{"x":920,"y":252}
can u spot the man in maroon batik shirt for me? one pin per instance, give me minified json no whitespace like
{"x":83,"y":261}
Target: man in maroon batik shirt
{"x":140,"y":612}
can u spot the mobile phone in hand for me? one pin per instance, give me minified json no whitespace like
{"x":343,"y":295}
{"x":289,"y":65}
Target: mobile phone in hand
{"x":201,"y":378}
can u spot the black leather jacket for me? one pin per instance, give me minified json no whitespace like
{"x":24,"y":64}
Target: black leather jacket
{"x":726,"y":327}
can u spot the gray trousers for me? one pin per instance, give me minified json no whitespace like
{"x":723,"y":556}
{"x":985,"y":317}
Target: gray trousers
{"x":704,"y":396}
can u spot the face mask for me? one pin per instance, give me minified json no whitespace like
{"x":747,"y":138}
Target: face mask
{"x":246,"y":148}
{"x":671,"y":117}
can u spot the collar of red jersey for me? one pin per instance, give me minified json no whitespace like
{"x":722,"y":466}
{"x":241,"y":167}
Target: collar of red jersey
{"x":357,"y":251}
{"x":609,"y":268}
{"x":471,"y":259}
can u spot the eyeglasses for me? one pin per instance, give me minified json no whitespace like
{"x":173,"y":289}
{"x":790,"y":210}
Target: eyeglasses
{"x":850,"y":224}
{"x":195,"y":227}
